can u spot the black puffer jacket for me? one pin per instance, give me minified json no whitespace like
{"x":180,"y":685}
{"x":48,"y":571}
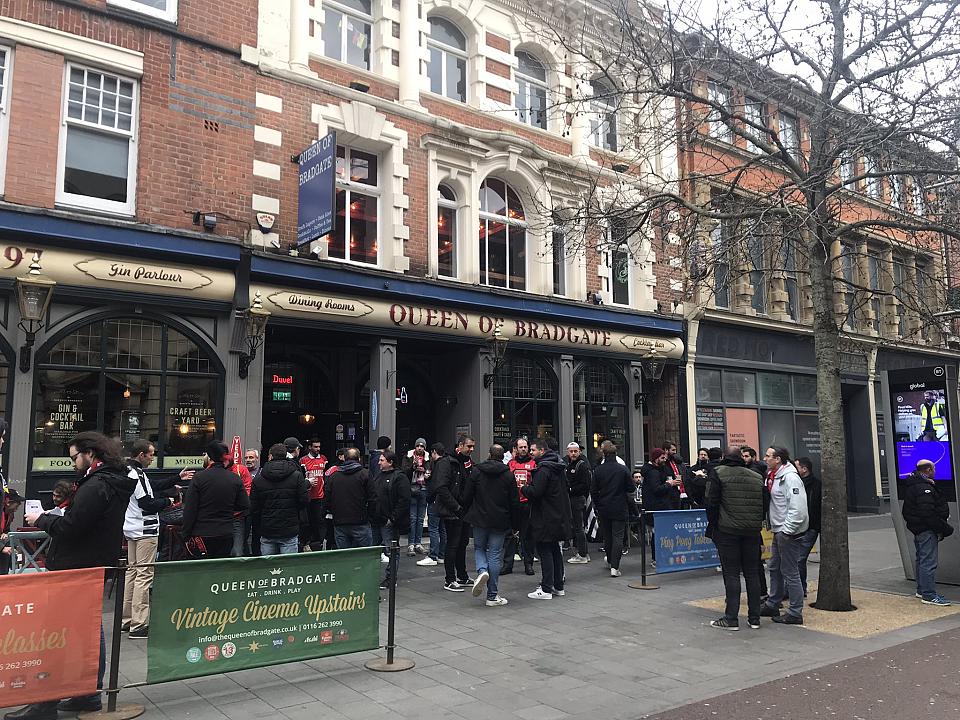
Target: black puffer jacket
{"x":446,"y":484}
{"x":578,"y":477}
{"x":924,"y":507}
{"x":550,"y":515}
{"x":279,"y":492}
{"x":491,"y":497}
{"x":90,"y":533}
{"x":393,"y":500}
{"x":734,"y":498}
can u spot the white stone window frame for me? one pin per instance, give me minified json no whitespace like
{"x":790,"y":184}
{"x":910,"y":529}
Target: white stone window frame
{"x":350,"y":187}
{"x":354,"y":14}
{"x":445,"y":50}
{"x":6,"y":66}
{"x":361,"y":126}
{"x":85,"y":202}
{"x":603,"y":114}
{"x":169,"y":13}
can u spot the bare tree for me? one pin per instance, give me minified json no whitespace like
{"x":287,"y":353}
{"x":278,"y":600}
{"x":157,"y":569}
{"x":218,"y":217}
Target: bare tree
{"x":816,"y":151}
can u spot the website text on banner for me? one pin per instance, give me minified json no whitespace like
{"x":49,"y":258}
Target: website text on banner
{"x":49,"y":635}
{"x":681,"y":541}
{"x":215,"y":616}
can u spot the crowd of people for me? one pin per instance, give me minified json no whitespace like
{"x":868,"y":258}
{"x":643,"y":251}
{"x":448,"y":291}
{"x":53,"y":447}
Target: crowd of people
{"x":525,"y":503}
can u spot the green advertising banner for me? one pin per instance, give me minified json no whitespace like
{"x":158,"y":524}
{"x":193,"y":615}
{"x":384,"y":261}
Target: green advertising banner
{"x":214,"y":616}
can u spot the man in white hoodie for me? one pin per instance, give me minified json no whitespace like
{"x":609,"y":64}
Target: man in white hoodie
{"x":789,"y":520}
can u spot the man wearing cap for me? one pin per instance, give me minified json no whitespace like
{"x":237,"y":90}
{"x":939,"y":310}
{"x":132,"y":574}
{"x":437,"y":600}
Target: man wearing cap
{"x":578,"y":482}
{"x":293,"y":447}
{"x":417,"y":470}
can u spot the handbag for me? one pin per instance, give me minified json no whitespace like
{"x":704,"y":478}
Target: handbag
{"x":195,"y":548}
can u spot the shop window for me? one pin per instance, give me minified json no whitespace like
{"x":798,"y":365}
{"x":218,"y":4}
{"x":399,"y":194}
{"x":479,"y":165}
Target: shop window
{"x":162,"y":9}
{"x":755,"y":113}
{"x":503,"y":236}
{"x":708,"y":386}
{"x":717,"y":126}
{"x":774,"y":389}
{"x":446,"y":232}
{"x":805,"y":391}
{"x":98,"y":158}
{"x":531,"y":90}
{"x":776,"y":429}
{"x":448,"y":60}
{"x":347,"y":28}
{"x":524,"y":401}
{"x":132,"y":378}
{"x":6,"y":60}
{"x":600,"y":411}
{"x":603,"y":116}
{"x":739,"y":387}
{"x":355,"y":222}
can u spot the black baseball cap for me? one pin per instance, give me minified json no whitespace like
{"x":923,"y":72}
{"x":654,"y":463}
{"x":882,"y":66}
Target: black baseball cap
{"x":291,"y":444}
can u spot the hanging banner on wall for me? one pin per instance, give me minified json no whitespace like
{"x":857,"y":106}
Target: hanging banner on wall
{"x":49,"y":635}
{"x":214,"y":616}
{"x":317,"y":189}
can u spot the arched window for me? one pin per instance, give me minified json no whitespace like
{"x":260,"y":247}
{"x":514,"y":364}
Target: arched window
{"x":448,"y":59}
{"x":446,"y":232}
{"x":600,"y":409}
{"x":347,"y":31}
{"x":133,"y":378}
{"x":503,"y":236}
{"x":531,"y":90}
{"x":524,"y":401}
{"x":603,"y":115}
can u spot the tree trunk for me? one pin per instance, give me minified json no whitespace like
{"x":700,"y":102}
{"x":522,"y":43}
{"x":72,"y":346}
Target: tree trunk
{"x":833,"y":590}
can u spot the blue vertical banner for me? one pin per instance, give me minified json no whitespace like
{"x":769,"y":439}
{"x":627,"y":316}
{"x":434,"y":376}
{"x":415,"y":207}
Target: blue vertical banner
{"x":317,"y":189}
{"x":681,"y":541}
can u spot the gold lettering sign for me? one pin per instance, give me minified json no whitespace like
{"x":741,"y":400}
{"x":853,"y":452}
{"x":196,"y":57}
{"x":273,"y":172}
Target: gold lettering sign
{"x":558,"y":333}
{"x":143,"y":274}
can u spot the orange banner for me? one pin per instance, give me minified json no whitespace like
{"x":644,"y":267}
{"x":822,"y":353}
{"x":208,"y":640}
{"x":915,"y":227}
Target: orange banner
{"x":49,"y":635}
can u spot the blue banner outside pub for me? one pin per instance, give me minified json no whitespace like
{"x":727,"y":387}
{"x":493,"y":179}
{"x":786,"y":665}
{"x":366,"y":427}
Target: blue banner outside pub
{"x":680,"y":541}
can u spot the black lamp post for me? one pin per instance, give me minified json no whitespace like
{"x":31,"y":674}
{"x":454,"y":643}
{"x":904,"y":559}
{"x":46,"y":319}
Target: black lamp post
{"x":499,"y":345}
{"x":255,"y":319}
{"x":33,"y":297}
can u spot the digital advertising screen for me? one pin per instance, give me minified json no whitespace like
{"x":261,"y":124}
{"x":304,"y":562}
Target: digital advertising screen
{"x":920,"y":401}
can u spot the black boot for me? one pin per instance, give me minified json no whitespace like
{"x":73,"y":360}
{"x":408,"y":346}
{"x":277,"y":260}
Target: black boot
{"x":37,"y":711}
{"x":528,"y":567}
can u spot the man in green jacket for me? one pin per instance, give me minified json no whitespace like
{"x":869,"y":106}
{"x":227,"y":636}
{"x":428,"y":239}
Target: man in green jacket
{"x":734,"y":502}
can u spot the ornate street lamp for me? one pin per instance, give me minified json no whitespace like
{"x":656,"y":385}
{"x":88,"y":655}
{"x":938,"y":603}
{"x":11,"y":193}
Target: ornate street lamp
{"x":255,"y":323}
{"x":498,"y":343}
{"x":33,"y":298}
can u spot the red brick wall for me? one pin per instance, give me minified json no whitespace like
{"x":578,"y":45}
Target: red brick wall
{"x":497,"y":42}
{"x":34,"y":128}
{"x":498,"y":94}
{"x":498,"y":68}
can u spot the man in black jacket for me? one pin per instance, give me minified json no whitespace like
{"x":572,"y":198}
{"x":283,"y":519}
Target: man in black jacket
{"x":88,"y":535}
{"x":811,"y":483}
{"x":925,"y":512}
{"x":445,"y":487}
{"x":612,"y":490}
{"x":550,"y":520}
{"x":393,"y":504}
{"x":734,"y":502}
{"x":493,"y":509}
{"x":212,"y":498}
{"x":351,"y":500}
{"x":279,"y":493}
{"x":578,"y":481}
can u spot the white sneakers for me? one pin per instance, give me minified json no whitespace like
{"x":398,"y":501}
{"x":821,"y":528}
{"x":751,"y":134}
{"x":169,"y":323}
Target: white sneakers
{"x":480,"y":584}
{"x":411,"y":551}
{"x":614,"y":572}
{"x":427,"y":562}
{"x":539,"y":594}
{"x":384,"y":559}
{"x":497,"y":601}
{"x":579,"y":559}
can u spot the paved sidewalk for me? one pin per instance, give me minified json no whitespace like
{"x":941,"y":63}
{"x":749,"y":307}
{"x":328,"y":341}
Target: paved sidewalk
{"x":603,"y":651}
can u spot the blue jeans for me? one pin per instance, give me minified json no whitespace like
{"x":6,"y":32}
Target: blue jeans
{"x":241,"y":530}
{"x":273,"y":546}
{"x":807,"y":541}
{"x":488,"y":553}
{"x":785,"y":573}
{"x":438,"y":533}
{"x":418,"y":507}
{"x":928,"y":555}
{"x":353,"y":536}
